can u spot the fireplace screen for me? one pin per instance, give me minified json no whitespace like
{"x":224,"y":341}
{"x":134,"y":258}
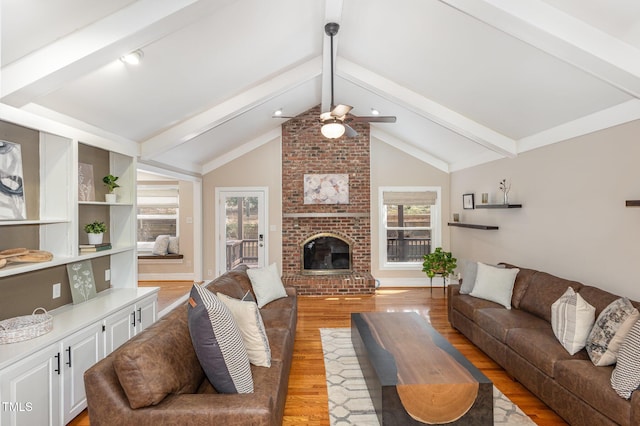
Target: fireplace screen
{"x":326,"y":254}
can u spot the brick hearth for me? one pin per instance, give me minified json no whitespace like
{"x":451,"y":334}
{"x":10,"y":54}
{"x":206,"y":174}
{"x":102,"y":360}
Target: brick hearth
{"x":305,"y":150}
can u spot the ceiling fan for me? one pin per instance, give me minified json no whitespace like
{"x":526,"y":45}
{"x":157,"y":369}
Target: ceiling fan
{"x":335,"y":122}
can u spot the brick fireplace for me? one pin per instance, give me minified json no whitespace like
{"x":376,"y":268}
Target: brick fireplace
{"x":306,"y":151}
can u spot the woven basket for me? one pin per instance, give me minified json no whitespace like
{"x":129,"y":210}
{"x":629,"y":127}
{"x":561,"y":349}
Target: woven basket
{"x":26,"y":327}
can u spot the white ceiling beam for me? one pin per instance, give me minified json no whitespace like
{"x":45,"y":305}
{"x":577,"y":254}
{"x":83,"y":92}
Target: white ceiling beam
{"x":409,"y":149}
{"x":427,"y":108}
{"x":562,"y":36}
{"x":231,"y":108}
{"x":613,"y":116}
{"x":94,"y":46}
{"x":332,"y":13}
{"x":242,"y":150}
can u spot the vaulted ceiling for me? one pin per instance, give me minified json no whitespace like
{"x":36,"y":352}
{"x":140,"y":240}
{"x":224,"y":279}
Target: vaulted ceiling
{"x":470,"y":81}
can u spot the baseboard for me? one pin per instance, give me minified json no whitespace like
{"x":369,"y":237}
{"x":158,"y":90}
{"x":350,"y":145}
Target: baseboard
{"x":185,"y":276}
{"x":409,"y":282}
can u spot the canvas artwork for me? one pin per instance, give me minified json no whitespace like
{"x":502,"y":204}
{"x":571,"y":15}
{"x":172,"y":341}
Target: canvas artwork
{"x":12,"y":201}
{"x":83,"y":286}
{"x":86,"y":188}
{"x":326,"y":189}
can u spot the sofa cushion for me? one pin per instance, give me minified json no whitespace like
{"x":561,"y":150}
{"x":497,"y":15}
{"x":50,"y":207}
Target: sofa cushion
{"x":467,"y":305}
{"x":609,"y":330}
{"x":542,"y":291}
{"x":498,"y":321}
{"x":540,"y":347}
{"x":521,"y":284}
{"x":495,"y":284}
{"x":571,"y":320}
{"x":625,"y":377}
{"x":218,"y":343}
{"x":248,"y":319}
{"x":266,"y":283}
{"x":148,"y":375}
{"x":591,"y":384}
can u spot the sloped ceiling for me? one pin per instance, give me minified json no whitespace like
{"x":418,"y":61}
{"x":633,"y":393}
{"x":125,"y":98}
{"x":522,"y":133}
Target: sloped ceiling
{"x":470,"y":80}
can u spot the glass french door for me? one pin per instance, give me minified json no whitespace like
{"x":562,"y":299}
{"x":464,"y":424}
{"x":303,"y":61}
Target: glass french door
{"x":241,"y":223}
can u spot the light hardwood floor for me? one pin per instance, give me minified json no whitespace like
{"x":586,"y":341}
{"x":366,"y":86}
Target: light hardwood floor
{"x":307,"y":395}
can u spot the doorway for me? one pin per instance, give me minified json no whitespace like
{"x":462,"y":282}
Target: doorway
{"x":240,"y":227}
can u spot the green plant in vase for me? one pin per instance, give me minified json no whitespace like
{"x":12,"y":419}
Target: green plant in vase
{"x":438,"y":262}
{"x":110,"y":181}
{"x":95,"y":231}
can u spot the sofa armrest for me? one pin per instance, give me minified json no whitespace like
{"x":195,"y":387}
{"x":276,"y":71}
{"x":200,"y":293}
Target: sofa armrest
{"x":452,"y":290}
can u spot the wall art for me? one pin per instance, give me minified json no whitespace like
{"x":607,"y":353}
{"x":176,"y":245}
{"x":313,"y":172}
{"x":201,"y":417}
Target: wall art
{"x":326,"y":189}
{"x":83,"y":286}
{"x":86,"y":188}
{"x":12,"y":201}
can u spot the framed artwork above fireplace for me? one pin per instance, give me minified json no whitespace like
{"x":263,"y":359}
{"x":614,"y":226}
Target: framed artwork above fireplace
{"x":326,"y":189}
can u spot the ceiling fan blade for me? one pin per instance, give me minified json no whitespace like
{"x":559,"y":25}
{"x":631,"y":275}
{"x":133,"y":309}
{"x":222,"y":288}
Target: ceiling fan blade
{"x":341,"y":110}
{"x":375,"y":119}
{"x":349,"y":131}
{"x":281,"y":116}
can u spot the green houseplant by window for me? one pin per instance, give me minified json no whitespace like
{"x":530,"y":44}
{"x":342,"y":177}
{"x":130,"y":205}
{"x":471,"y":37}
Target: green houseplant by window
{"x":440,"y":263}
{"x":110,"y":181}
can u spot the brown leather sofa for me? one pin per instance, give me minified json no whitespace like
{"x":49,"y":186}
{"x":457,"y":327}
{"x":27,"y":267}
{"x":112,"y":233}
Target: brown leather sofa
{"x":522,"y":342}
{"x":165,"y":351}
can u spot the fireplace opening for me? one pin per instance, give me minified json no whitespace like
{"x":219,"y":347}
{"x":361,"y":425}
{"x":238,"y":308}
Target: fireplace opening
{"x":325,"y":254}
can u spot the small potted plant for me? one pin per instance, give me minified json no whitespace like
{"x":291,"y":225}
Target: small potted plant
{"x":95,"y":231}
{"x":440,"y":263}
{"x":110,"y":181}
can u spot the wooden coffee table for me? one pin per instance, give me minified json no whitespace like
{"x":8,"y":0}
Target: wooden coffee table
{"x":415,"y":376}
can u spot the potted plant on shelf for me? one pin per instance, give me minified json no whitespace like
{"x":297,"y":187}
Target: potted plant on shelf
{"x":111,"y":184}
{"x":95,"y":231}
{"x":440,"y":263}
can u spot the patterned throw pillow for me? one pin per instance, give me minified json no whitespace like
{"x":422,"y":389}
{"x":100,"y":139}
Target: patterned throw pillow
{"x":161,"y":246}
{"x":609,"y":331}
{"x":247,"y":316}
{"x":625,"y":377}
{"x":218,"y":343}
{"x":571,"y":320}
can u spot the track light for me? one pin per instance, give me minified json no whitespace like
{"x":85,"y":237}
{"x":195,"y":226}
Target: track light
{"x":133,"y":58}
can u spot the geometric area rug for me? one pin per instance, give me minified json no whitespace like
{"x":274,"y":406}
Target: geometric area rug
{"x":349,"y":401}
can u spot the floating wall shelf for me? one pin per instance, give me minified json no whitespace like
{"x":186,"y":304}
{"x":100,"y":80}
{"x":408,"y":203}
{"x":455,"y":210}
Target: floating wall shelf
{"x":633,"y":203}
{"x":498,"y":206}
{"x":472,"y":226}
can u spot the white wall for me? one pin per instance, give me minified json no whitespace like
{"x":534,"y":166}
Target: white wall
{"x":574,"y":223}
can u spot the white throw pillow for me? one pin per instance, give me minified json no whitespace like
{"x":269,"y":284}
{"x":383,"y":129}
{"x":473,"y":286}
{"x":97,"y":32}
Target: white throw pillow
{"x":495,"y":284}
{"x":174,"y":245}
{"x":249,"y":321}
{"x":161,"y":246}
{"x":609,"y":330}
{"x":571,"y":320}
{"x":266,"y":284}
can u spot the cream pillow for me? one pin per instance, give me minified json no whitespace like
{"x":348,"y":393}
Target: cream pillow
{"x":249,"y":321}
{"x":161,"y":246}
{"x":571,"y":320}
{"x":266,"y":284}
{"x":494,"y":284}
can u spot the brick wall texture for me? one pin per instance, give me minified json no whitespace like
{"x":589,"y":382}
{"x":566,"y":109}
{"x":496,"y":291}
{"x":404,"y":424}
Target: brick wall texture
{"x":306,"y":151}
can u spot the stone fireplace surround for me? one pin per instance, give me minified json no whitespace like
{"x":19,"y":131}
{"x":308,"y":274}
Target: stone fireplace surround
{"x":305,"y":150}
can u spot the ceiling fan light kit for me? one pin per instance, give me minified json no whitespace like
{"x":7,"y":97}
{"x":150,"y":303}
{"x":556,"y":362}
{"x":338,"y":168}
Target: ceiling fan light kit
{"x":332,"y":130}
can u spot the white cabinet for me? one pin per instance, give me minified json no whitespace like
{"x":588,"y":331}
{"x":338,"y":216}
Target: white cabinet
{"x":79,"y":352}
{"x":30,"y":390}
{"x":129,"y":321}
{"x":42,"y":379}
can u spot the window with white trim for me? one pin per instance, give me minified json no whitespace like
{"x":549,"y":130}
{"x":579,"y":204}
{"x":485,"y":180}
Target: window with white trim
{"x":409,"y":225}
{"x":157,"y":212}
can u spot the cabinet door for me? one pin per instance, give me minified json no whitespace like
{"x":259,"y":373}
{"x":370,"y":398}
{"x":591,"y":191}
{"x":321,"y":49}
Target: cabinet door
{"x":119,"y":328}
{"x":30,"y":390}
{"x":146,"y":313}
{"x":79,"y":352}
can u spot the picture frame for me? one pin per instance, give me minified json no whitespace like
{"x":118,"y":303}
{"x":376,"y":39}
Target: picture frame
{"x":468,"y":202}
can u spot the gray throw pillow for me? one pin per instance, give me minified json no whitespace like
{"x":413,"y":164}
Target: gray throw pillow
{"x":469,"y":271}
{"x":218,"y":343}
